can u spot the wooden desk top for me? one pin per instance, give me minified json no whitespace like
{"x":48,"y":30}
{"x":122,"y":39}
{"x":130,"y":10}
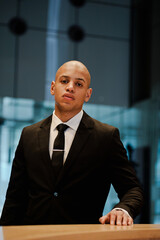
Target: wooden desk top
{"x":81,"y":232}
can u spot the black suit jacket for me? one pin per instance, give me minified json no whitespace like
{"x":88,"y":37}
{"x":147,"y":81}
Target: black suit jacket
{"x":96,"y":159}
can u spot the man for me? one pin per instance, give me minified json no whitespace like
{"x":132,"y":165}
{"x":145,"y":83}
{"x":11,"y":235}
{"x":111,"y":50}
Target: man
{"x":93,"y":159}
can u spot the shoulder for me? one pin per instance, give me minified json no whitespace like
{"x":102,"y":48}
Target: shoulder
{"x":100,"y":126}
{"x":43,"y":123}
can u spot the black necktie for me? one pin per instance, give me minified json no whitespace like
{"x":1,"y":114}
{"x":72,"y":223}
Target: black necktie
{"x":58,"y":149}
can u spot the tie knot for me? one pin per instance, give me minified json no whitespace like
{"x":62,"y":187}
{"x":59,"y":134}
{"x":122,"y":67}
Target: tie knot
{"x":62,"y":127}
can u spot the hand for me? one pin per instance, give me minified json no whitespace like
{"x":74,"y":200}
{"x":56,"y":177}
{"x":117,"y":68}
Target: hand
{"x":117,"y":217}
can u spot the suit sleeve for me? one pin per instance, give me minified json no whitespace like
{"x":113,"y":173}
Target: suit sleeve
{"x":17,"y":192}
{"x":124,"y":179}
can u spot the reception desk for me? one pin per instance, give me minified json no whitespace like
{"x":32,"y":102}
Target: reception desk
{"x":81,"y":232}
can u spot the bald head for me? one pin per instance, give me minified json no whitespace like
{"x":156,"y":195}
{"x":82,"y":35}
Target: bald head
{"x":76,"y":65}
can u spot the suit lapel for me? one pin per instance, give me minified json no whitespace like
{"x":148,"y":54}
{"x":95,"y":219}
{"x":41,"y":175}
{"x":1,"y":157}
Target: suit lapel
{"x":82,"y":134}
{"x":43,"y":138}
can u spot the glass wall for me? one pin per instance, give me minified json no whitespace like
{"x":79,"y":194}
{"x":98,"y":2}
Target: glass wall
{"x":30,"y":54}
{"x":139,"y":128}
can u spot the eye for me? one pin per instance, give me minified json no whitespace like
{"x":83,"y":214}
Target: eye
{"x":64,"y":81}
{"x":79,"y":84}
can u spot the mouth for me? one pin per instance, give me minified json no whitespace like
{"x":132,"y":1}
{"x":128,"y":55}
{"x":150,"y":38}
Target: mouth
{"x":68,"y":96}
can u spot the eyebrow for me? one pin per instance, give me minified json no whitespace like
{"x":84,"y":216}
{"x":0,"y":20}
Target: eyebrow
{"x":81,"y":79}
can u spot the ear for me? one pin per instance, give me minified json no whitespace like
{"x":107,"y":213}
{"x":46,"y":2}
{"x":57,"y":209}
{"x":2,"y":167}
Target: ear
{"x":52,"y":88}
{"x":88,"y":94}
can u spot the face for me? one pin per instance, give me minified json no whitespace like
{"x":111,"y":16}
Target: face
{"x":71,"y":87}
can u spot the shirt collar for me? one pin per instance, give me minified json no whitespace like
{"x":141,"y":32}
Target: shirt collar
{"x":72,"y":123}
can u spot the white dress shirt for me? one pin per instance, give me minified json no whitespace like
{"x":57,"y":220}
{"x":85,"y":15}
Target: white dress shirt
{"x":69,"y":134}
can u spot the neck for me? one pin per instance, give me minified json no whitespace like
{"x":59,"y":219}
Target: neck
{"x":65,"y":116}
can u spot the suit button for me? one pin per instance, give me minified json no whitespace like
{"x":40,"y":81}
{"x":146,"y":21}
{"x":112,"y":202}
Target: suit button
{"x":55,"y":194}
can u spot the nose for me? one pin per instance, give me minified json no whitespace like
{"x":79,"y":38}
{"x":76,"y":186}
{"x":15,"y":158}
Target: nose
{"x":70,"y":87}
